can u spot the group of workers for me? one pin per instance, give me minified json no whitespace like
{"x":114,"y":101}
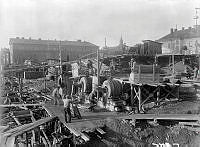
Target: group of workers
{"x":61,"y":98}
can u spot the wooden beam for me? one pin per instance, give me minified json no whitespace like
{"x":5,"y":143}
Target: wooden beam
{"x":132,"y":101}
{"x":139,"y":98}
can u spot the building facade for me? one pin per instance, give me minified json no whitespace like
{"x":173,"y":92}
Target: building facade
{"x":41,"y":50}
{"x":148,"y":48}
{"x":184,"y":41}
{"x":115,"y":50}
{"x":5,"y":56}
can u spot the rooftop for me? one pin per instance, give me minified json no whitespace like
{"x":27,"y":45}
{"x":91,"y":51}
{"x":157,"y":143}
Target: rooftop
{"x":181,"y":34}
{"x":22,"y":40}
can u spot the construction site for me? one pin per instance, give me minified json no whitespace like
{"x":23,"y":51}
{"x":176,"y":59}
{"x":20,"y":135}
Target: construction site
{"x":78,"y":94}
{"x":137,"y":102}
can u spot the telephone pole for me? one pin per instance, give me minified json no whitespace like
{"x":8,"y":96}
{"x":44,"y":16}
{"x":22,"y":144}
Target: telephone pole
{"x":196,"y":17}
{"x":60,"y":59}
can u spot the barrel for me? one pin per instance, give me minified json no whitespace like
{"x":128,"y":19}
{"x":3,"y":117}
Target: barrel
{"x":114,"y":88}
{"x":86,"y":83}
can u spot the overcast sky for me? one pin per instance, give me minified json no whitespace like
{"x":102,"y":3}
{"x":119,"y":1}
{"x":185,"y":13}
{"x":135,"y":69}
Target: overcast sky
{"x":93,"y":20}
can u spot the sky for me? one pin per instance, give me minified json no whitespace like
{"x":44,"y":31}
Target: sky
{"x":94,"y":20}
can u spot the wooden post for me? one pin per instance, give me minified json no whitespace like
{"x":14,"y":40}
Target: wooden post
{"x":26,"y":136}
{"x":173,"y":69}
{"x":178,"y":91}
{"x":60,"y":59}
{"x":158,"y":96}
{"x":98,"y":72}
{"x":139,"y":74}
{"x":20,"y":84}
{"x":153,"y":72}
{"x":198,"y":75}
{"x":139,"y":97}
{"x":132,"y":95}
{"x":33,"y":138}
{"x":44,"y":79}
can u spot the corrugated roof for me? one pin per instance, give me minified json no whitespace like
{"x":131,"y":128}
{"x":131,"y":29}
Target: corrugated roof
{"x":50,"y":42}
{"x":181,"y":34}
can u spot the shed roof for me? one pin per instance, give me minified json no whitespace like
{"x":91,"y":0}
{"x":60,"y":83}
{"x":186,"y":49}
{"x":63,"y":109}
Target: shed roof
{"x":181,"y":34}
{"x":50,"y":42}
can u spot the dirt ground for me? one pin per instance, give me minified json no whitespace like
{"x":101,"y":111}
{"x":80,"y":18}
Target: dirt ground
{"x":182,"y":107}
{"x":120,"y":133}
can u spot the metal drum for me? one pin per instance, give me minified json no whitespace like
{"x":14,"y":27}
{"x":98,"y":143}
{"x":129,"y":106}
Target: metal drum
{"x":114,"y":88}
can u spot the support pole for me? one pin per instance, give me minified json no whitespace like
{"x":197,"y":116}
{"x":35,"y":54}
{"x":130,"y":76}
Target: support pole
{"x":98,"y":72}
{"x":153,"y":72}
{"x":158,"y":96}
{"x":198,"y":75}
{"x":173,"y":70}
{"x":139,"y":73}
{"x":139,"y":97}
{"x":60,"y":59}
{"x":20,"y":84}
{"x":132,"y":95}
{"x":44,"y":79}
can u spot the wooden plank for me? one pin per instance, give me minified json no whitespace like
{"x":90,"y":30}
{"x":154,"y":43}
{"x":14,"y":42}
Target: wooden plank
{"x":20,"y":105}
{"x":100,"y":131}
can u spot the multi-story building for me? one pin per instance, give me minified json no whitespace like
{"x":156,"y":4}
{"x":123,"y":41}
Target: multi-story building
{"x":184,"y":41}
{"x":40,"y":50}
{"x":5,"y":56}
{"x":148,"y":48}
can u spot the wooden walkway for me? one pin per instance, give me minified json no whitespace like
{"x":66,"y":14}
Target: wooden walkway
{"x":89,"y":118}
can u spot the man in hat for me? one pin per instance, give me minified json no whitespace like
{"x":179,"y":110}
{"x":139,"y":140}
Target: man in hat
{"x":67,"y":101}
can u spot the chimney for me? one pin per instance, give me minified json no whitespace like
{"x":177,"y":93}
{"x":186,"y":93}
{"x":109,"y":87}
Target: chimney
{"x":175,"y":30}
{"x":171,"y":30}
{"x":183,"y":28}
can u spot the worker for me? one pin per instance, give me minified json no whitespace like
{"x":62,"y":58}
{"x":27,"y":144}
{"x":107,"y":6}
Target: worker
{"x":195,"y":72}
{"x":56,"y":95}
{"x":93,"y":101}
{"x":67,"y":101}
{"x":62,"y":90}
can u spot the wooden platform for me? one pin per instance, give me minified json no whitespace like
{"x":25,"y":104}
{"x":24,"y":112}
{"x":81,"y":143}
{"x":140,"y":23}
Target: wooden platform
{"x":86,"y":124}
{"x":89,"y":118}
